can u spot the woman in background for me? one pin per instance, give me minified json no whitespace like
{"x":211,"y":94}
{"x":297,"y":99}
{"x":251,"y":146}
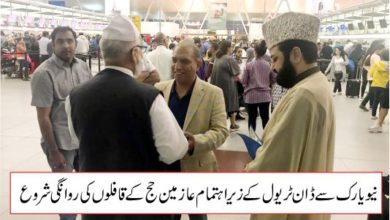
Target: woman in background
{"x":379,"y":88}
{"x":237,"y":55}
{"x":21,"y":56}
{"x":257,"y":80}
{"x":224,"y":75}
{"x":372,"y":56}
{"x":210,"y":57}
{"x":250,"y":54}
{"x":338,"y":68}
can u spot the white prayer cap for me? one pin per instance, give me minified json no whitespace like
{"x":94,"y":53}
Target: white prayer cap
{"x":291,"y":26}
{"x":121,"y":28}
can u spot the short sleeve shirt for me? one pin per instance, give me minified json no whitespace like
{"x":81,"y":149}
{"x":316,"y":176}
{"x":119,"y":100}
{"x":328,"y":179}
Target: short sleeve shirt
{"x":51,"y":84}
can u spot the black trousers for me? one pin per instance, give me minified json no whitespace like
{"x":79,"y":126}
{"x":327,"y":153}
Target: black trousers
{"x":337,"y":82}
{"x":378,"y":96}
{"x":263,"y":108}
{"x":240,"y":92}
{"x":23,"y":69}
{"x":364,"y":82}
{"x":368,"y":97}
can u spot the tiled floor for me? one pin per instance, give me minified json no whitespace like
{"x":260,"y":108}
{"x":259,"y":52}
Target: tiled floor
{"x":356,"y":149}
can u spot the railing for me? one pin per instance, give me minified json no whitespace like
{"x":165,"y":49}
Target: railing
{"x":10,"y":66}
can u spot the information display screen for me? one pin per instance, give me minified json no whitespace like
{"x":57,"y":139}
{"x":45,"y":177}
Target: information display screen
{"x":383,"y":23}
{"x":361,"y":26}
{"x":350,"y":27}
{"x":370,"y":25}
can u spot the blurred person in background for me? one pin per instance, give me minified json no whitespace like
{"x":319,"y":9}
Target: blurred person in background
{"x":380,"y":77}
{"x":21,"y":57}
{"x":244,"y":44}
{"x":3,"y":38}
{"x":337,"y":68}
{"x":237,"y":55}
{"x":82,"y":48}
{"x":372,"y":56}
{"x":355,"y":56}
{"x":210,"y":58}
{"x":205,"y":46}
{"x":10,"y":43}
{"x":383,"y":111}
{"x":161,"y":57}
{"x":34,"y":54}
{"x":250,"y":54}
{"x":326,"y":51}
{"x":27,"y":40}
{"x":319,"y":48}
{"x":224,"y":75}
{"x":349,"y":46}
{"x":201,"y":72}
{"x":43,"y":42}
{"x":257,"y":80}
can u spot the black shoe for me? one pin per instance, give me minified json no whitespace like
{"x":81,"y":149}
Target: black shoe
{"x":363,"y":108}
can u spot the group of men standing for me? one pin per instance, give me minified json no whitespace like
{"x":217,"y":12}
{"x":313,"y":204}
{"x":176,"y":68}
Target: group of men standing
{"x":111,"y":122}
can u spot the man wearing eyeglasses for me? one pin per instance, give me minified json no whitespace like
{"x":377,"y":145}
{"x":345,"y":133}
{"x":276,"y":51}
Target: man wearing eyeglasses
{"x":123,"y":125}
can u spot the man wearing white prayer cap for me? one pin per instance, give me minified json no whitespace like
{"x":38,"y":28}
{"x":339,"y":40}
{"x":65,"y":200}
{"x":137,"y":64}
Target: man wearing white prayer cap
{"x":301,"y":132}
{"x":123,"y":125}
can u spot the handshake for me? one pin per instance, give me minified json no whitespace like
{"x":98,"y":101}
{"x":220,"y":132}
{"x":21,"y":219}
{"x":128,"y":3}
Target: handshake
{"x":191,"y":142}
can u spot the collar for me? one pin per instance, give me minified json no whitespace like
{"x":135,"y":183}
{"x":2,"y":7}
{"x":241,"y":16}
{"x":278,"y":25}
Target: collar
{"x":121,"y":69}
{"x":189,"y":92}
{"x":60,"y":62}
{"x":306,"y":74}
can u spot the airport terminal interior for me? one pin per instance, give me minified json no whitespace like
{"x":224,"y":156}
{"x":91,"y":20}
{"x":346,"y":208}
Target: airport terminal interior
{"x":353,"y":25}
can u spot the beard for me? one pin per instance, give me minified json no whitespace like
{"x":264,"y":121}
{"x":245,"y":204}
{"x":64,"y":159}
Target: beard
{"x":286,"y":76}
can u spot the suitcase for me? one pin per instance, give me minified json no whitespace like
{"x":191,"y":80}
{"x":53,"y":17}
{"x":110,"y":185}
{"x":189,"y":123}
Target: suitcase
{"x":353,"y":88}
{"x":353,"y":85}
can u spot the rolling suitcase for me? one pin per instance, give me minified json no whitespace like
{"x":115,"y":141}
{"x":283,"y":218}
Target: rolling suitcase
{"x":353,"y":86}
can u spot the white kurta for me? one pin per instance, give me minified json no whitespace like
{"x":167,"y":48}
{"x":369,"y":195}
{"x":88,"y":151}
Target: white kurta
{"x":300,"y":136}
{"x":161,"y":58}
